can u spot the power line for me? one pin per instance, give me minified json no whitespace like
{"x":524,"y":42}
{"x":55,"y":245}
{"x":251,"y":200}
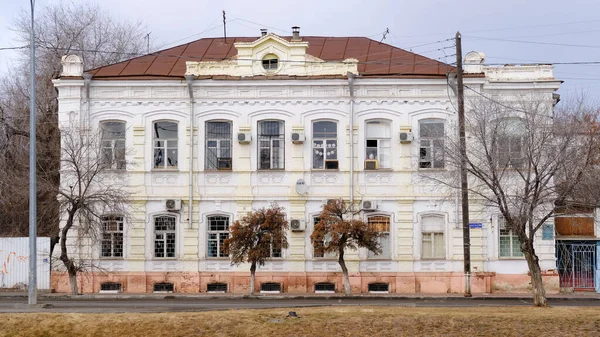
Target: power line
{"x":535,"y":42}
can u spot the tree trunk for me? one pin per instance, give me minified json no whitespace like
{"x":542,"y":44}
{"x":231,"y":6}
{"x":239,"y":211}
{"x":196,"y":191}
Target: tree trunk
{"x":64,"y":257}
{"x":252,"y":273}
{"x":347,"y":289}
{"x":73,"y":282}
{"x":537,"y":285}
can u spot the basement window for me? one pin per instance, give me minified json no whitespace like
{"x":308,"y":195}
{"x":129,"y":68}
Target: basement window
{"x":270,"y":62}
{"x":110,"y":288}
{"x":379,"y":288}
{"x":163,"y":287}
{"x":324,"y":288}
{"x":216,"y":288}
{"x":270,"y":288}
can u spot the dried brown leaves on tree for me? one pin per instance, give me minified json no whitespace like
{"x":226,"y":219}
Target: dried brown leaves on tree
{"x":257,"y":237}
{"x":339,"y":229}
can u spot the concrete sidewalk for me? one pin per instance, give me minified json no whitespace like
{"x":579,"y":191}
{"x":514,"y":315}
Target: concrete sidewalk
{"x":592,"y":296}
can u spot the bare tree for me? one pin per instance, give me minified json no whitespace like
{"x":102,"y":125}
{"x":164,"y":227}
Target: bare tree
{"x":523,"y":159}
{"x":339,"y":230}
{"x":257,"y":237}
{"x":89,"y":191}
{"x":61,"y":28}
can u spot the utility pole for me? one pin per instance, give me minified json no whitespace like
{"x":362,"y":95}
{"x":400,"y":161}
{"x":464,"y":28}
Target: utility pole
{"x":224,"y":27}
{"x":464,"y":185}
{"x":32,"y":299}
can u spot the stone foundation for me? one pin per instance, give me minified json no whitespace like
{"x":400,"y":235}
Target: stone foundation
{"x":302,"y":283}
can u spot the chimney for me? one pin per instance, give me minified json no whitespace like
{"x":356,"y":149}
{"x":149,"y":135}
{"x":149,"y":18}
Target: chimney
{"x":295,"y":33}
{"x":263,"y":32}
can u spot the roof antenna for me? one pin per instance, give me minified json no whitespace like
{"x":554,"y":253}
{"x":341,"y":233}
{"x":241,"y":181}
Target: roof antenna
{"x":387,"y":31}
{"x":224,"y":27}
{"x":148,"y":38}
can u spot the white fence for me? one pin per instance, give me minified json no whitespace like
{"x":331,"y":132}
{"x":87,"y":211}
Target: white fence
{"x":14,"y":263}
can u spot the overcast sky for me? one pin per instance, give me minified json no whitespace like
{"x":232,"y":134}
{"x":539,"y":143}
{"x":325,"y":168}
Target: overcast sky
{"x":554,"y":31}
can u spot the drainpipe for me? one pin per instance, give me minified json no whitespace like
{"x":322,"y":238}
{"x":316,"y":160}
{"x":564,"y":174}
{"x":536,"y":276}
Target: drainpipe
{"x":351,"y":78}
{"x":189,"y":79}
{"x":87,"y":79}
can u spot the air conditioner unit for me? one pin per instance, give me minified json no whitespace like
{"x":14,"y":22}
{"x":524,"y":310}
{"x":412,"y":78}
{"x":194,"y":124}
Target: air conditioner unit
{"x":297,"y":225}
{"x":244,"y":137}
{"x":369,"y":205}
{"x":298,"y":138}
{"x":173,"y":204}
{"x":224,"y":164}
{"x":371,"y":164}
{"x":331,"y":165}
{"x":406,"y":137}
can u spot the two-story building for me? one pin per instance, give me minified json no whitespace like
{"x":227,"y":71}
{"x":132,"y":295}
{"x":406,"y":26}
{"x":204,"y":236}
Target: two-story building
{"x":207,"y":131}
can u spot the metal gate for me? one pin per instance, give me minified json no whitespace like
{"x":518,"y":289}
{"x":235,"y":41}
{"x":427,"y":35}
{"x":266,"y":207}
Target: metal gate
{"x":576,"y":264}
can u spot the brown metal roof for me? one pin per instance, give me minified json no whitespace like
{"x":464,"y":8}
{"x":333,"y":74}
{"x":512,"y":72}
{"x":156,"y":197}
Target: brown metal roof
{"x":375,"y":58}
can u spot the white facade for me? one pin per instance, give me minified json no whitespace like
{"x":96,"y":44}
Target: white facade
{"x":397,"y":187}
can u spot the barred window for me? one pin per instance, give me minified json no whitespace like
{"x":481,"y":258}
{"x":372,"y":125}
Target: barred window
{"x":113,"y":144}
{"x":112,"y":236}
{"x":164,"y":236}
{"x":218,"y":146}
{"x":382,"y":225}
{"x":431,"y":143}
{"x":271,"y":145}
{"x":165,"y":145}
{"x":325,"y":149}
{"x":508,"y":242}
{"x":218,"y":232}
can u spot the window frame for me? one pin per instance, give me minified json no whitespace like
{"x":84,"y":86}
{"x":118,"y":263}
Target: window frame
{"x":271,"y":138}
{"x":219,"y":148}
{"x":505,"y":142}
{"x":512,"y":239}
{"x":379,"y":150}
{"x":219,"y":239}
{"x":431,"y":233}
{"x":386,"y":235}
{"x":326,"y":140}
{"x":115,"y":162}
{"x":432,"y":148}
{"x":113,"y":237}
{"x":326,"y":255}
{"x":165,"y":148}
{"x":270,"y":63}
{"x":164,"y":239}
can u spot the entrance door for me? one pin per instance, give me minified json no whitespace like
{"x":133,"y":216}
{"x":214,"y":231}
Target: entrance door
{"x":597,"y":283}
{"x":577,"y":267}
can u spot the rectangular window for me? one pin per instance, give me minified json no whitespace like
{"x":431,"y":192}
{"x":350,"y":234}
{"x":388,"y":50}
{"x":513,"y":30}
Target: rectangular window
{"x":276,"y":252}
{"x":431,"y":143}
{"x":112,"y":236}
{"x":509,"y":142}
{"x":508,"y":242}
{"x":165,"y":145}
{"x":271,"y":145}
{"x":164,"y":236}
{"x":382,"y":225}
{"x":218,"y":232}
{"x":113,"y":145}
{"x":218,"y":146}
{"x":317,"y":244}
{"x":432,"y":244}
{"x":324,"y":145}
{"x":378,"y":143}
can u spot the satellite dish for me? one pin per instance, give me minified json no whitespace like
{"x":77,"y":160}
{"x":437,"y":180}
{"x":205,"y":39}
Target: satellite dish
{"x":301,"y":187}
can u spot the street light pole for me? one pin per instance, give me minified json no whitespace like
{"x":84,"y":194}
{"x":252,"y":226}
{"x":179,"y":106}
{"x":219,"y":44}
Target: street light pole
{"x":32,"y":172}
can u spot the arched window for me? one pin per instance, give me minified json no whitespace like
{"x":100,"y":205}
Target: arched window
{"x":165,"y":135}
{"x":218,"y":146}
{"x":270,"y":62}
{"x":431,"y":143}
{"x":325,"y":149}
{"x":113,"y":144}
{"x":218,"y":232}
{"x":164,"y":236}
{"x":378,"y":145}
{"x":432,"y":243}
{"x":271,"y":145}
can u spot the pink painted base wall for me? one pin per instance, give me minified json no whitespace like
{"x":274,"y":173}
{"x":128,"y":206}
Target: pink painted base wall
{"x":302,"y":283}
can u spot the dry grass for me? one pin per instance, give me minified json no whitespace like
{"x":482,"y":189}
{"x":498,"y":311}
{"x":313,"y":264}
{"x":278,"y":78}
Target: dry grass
{"x":326,"y":321}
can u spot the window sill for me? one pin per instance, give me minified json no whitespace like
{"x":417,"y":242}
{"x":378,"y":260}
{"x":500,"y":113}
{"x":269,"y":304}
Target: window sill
{"x":164,"y":259}
{"x":385,"y":169}
{"x":432,"y":169}
{"x":164,"y":170}
{"x":270,"y":170}
{"x":508,"y":258}
{"x":216,"y":170}
{"x":218,"y":258}
{"x":325,"y":259}
{"x":108,"y":258}
{"x":325,"y":170}
{"x":429,"y":259}
{"x":378,"y":258}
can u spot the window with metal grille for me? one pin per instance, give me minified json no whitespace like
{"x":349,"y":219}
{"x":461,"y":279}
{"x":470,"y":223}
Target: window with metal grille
{"x":324,"y":287}
{"x":216,"y":288}
{"x":165,"y":145}
{"x":378,"y":288}
{"x":164,"y":236}
{"x":112,"y":236}
{"x":218,"y":232}
{"x":508,"y":241}
{"x":270,"y":287}
{"x":381,"y":224}
{"x":163,"y":287}
{"x":218,"y":146}
{"x":378,"y":143}
{"x":110,"y":287}
{"x":113,"y":144}
{"x":325,"y":151}
{"x":271,"y":145}
{"x":431,"y":143}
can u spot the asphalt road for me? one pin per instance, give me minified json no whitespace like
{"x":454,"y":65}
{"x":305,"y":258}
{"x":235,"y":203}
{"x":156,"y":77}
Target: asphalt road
{"x":191,"y":305}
